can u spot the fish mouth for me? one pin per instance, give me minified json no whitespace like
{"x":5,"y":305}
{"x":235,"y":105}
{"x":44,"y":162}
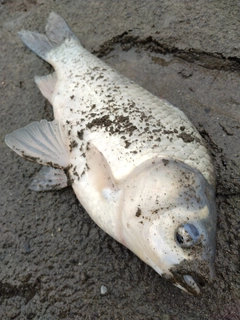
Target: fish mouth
{"x":192,"y":280}
{"x":191,"y":284}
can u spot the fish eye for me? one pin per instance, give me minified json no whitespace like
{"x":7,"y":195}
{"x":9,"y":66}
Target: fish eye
{"x":187,"y":235}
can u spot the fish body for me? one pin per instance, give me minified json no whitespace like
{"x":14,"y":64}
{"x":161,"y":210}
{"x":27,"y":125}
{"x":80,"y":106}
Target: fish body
{"x":135,"y":162}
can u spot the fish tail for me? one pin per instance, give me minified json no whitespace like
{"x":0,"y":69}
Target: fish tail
{"x":57,"y":31}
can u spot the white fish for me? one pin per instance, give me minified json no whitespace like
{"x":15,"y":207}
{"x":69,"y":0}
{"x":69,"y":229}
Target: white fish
{"x":135,"y":162}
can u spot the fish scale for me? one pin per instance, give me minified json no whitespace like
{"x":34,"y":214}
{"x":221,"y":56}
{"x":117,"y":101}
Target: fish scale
{"x":113,"y":93}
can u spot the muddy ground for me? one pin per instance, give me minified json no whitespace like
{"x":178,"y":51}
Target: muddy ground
{"x":53,"y":258}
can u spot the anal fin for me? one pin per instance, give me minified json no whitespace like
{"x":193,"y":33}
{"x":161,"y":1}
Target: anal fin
{"x":42,"y":142}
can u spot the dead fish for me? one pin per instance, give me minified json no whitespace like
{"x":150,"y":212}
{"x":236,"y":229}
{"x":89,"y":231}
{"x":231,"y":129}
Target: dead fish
{"x":136,"y":163}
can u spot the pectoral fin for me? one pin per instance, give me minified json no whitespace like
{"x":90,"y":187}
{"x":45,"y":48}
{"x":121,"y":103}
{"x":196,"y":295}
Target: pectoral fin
{"x":42,"y":142}
{"x":100,"y":173}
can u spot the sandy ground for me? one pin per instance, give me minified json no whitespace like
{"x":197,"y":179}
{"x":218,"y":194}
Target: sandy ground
{"x":53,"y":258}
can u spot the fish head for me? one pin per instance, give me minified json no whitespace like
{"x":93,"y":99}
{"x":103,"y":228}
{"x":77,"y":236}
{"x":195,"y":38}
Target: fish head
{"x":169,"y":221}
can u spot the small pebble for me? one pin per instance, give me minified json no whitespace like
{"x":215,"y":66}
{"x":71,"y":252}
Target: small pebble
{"x":103,"y":290}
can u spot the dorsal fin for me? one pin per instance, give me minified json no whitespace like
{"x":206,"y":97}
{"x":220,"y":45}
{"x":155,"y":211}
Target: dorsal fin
{"x":46,"y":85}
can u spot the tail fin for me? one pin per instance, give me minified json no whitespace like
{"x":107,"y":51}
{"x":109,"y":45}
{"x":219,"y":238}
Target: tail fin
{"x":57,"y":31}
